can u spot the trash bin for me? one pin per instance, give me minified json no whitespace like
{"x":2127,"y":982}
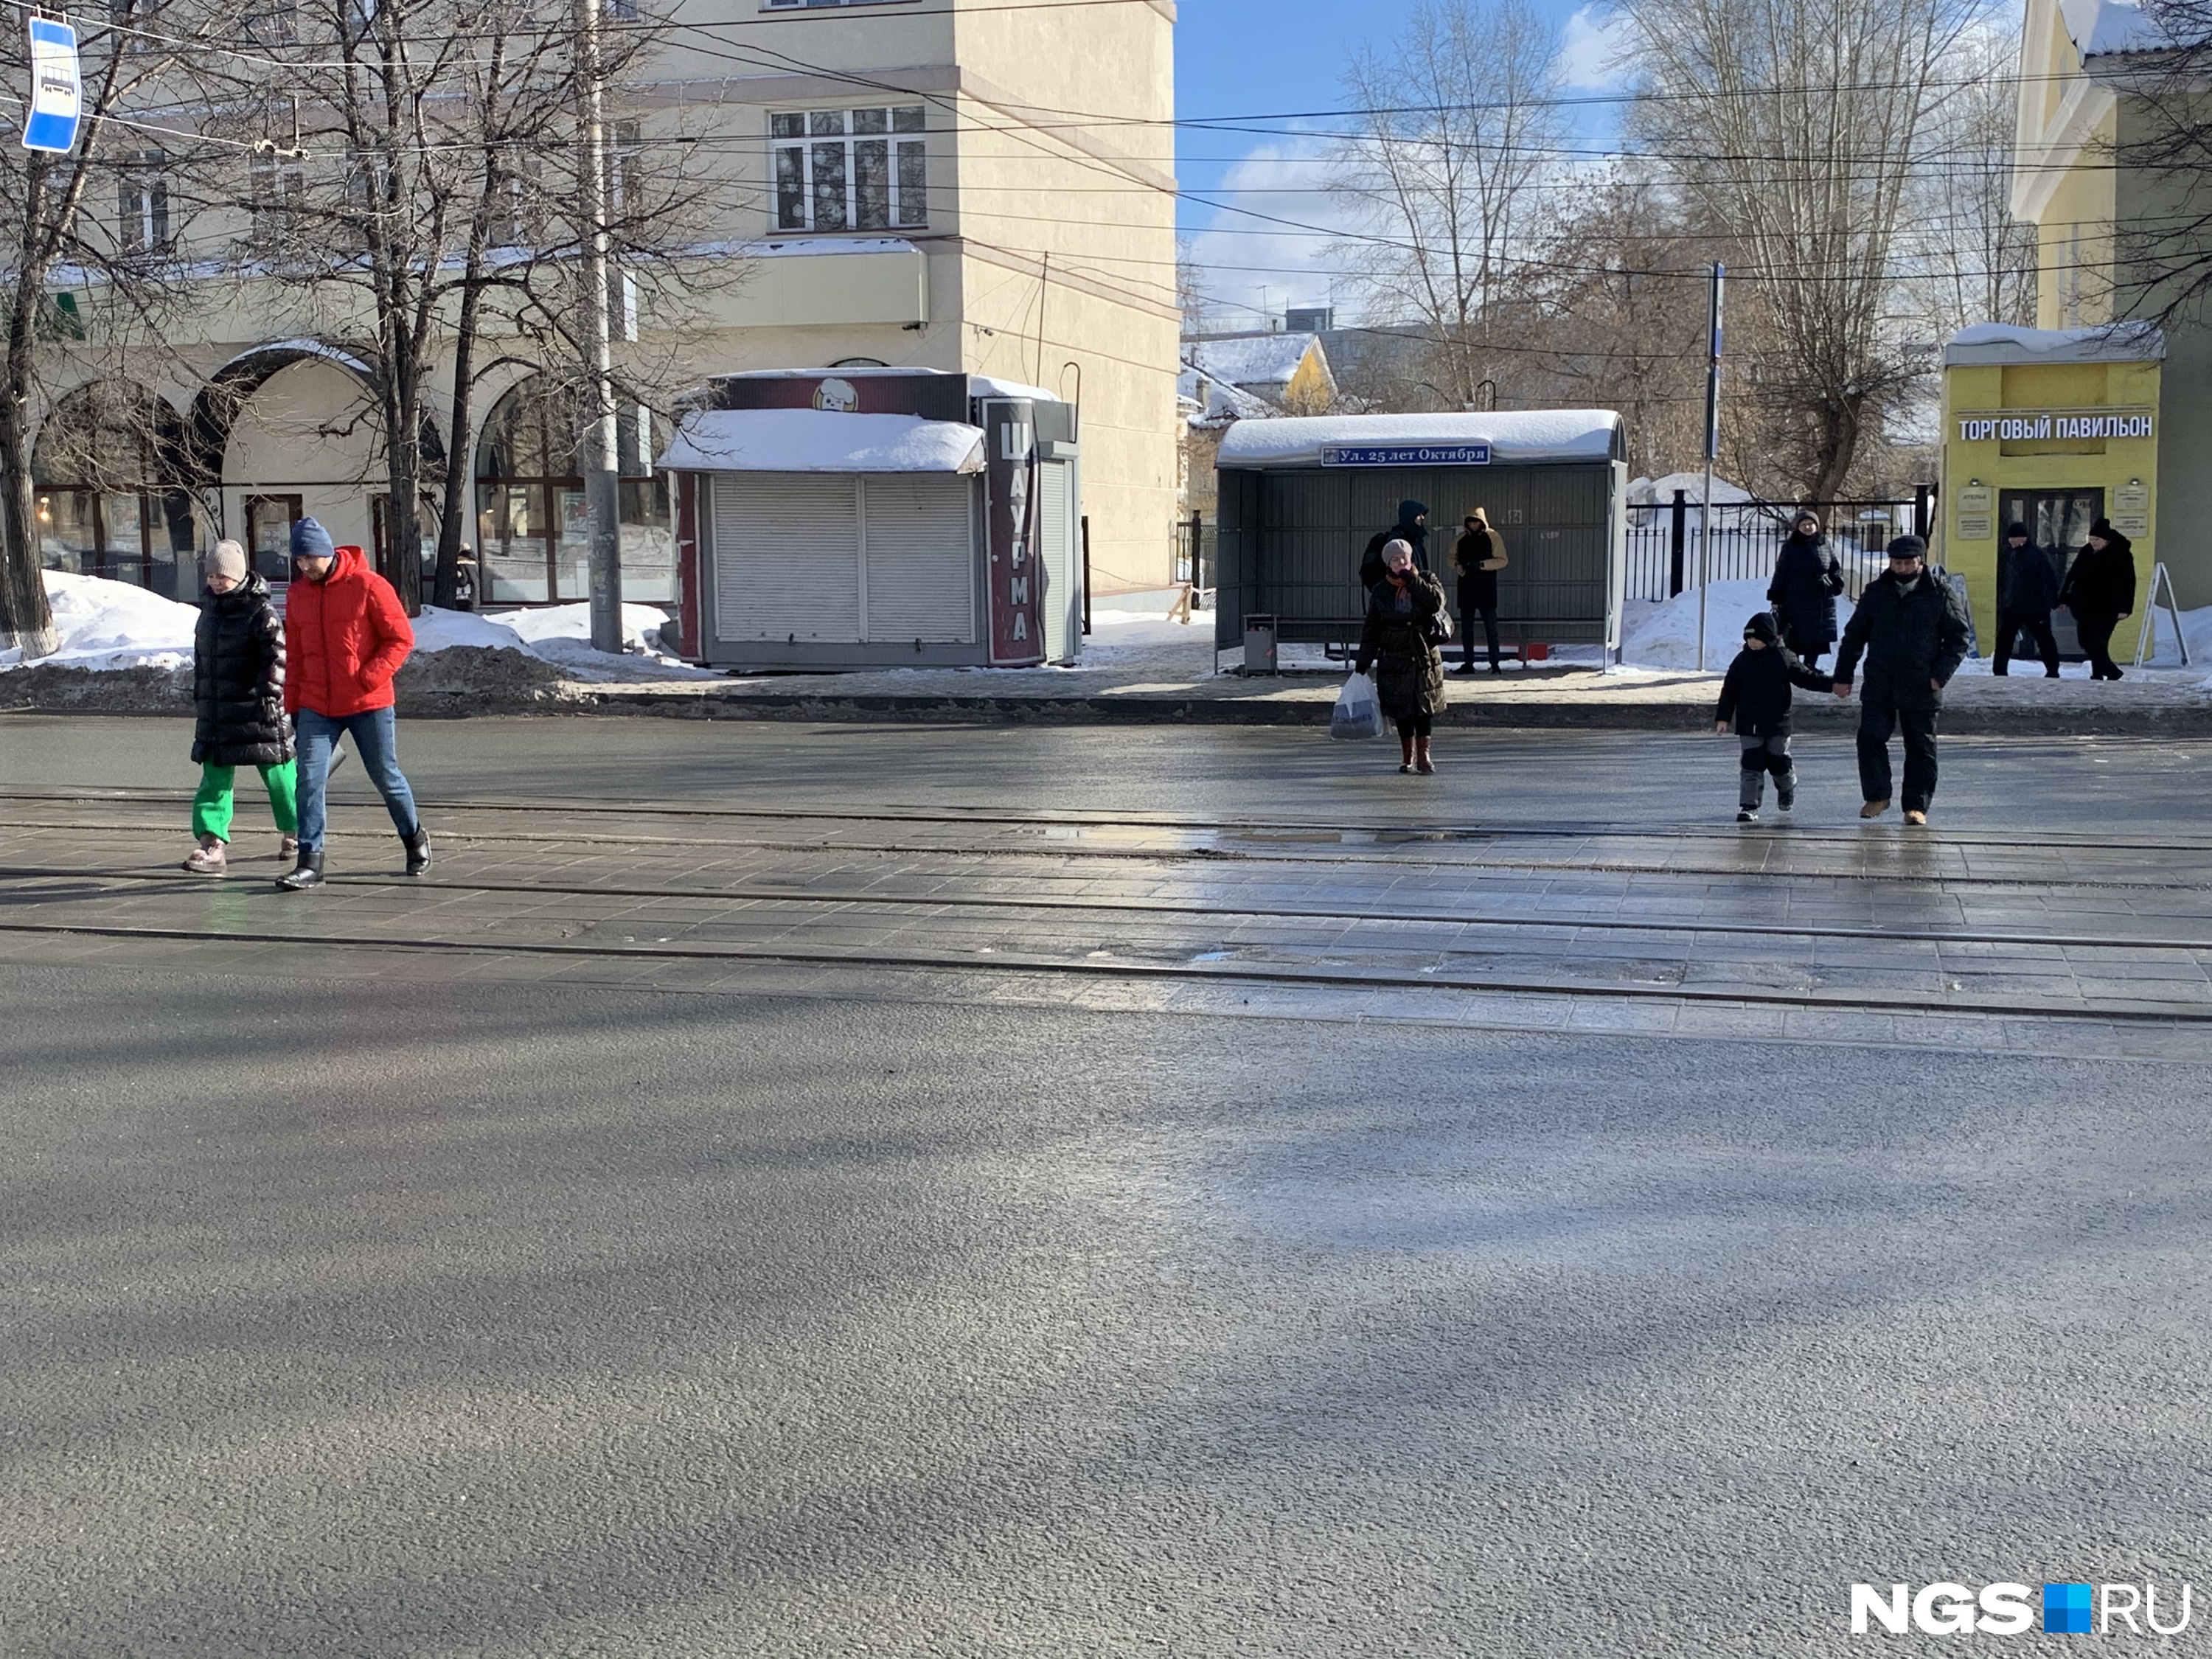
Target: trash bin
{"x":1259,"y":645}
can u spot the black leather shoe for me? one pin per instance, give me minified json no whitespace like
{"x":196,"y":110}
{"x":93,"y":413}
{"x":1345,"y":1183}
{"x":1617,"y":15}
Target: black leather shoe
{"x":308,"y":872}
{"x":418,"y":851}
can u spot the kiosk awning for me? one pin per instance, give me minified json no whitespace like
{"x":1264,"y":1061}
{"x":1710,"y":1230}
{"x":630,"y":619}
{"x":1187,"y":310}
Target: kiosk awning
{"x":819,"y":440}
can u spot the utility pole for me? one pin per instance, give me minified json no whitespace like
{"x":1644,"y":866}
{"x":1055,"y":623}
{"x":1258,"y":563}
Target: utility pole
{"x":602,"y":460}
{"x":1712,"y":453}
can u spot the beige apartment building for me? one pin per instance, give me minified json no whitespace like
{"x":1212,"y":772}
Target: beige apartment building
{"x":956,"y":184}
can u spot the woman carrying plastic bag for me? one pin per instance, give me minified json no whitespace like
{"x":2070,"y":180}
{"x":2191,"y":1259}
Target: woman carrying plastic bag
{"x":1358,"y":712}
{"x":1406,"y":621}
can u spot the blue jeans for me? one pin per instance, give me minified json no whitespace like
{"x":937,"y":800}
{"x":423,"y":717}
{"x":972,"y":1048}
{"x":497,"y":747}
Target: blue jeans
{"x":374,"y":741}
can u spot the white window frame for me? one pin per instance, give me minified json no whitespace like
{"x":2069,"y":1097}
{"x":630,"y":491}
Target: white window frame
{"x":795,"y":158}
{"x":141,"y":203}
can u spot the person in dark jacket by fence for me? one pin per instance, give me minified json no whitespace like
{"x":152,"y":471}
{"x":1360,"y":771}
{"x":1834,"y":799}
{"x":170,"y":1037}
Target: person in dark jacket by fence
{"x":1478,"y":558}
{"x":238,"y":700}
{"x":1913,"y":635}
{"x":1412,"y":528}
{"x":1755,"y":701}
{"x":2101,"y":591}
{"x":1806,"y":579}
{"x":2025,"y":599}
{"x":1405,"y":619}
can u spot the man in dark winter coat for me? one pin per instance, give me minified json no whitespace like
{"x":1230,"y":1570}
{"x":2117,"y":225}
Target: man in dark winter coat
{"x":1806,"y":579}
{"x":2026,"y":594}
{"x":1755,"y":700}
{"x":2101,"y":591}
{"x":1412,"y":528}
{"x":238,"y":698}
{"x":1479,"y":557}
{"x":1910,"y":630}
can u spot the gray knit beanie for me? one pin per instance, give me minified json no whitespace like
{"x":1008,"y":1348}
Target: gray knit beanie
{"x":227,"y":558}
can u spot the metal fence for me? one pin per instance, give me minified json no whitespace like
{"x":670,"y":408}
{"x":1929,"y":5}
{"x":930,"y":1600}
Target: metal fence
{"x":1667,"y":540}
{"x":1198,"y":554}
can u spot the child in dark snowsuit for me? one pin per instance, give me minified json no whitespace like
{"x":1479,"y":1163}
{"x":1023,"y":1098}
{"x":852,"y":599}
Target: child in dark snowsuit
{"x":1755,"y":696}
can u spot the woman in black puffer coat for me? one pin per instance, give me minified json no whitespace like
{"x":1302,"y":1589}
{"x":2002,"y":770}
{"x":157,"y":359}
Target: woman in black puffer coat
{"x":237,"y":693}
{"x":1406,"y":621}
{"x":2101,"y":591}
{"x":1806,"y":579}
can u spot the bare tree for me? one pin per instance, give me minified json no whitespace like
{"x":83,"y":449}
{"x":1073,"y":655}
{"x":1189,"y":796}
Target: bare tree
{"x":1456,"y":142}
{"x":108,"y":220}
{"x":453,"y":202}
{"x":1972,"y":262}
{"x":1800,"y":125}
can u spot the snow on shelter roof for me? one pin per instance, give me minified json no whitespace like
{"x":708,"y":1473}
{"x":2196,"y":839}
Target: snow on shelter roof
{"x":2003,"y":342}
{"x":818,"y":441}
{"x":1516,"y":437}
{"x":2103,"y":29}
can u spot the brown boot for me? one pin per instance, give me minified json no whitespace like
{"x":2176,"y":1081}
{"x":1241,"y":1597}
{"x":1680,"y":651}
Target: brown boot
{"x":1421,"y":761}
{"x":1404,"y":754}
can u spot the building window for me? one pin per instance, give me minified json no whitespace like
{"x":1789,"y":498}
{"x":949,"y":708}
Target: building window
{"x":141,"y":204}
{"x":850,"y":169}
{"x":780,"y":5}
{"x":533,"y":529}
{"x":278,"y":187}
{"x":105,"y":499}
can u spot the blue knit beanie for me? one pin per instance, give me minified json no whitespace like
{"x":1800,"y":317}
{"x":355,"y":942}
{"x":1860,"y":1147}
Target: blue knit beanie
{"x":311,"y":541}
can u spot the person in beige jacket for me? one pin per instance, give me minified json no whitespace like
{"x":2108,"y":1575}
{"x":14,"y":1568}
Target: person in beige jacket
{"x":1480,"y":555}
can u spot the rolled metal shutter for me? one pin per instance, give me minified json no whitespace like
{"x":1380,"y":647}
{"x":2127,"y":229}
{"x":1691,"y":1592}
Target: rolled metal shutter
{"x":1056,"y":554}
{"x":920,"y":547}
{"x":787,"y":556}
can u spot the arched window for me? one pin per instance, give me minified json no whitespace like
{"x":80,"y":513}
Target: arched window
{"x":533,"y":527}
{"x":105,"y":475}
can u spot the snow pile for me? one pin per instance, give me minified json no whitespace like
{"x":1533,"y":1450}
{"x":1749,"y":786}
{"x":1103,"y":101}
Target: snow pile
{"x":110,"y":624}
{"x":1660,"y":492}
{"x":107,"y":624}
{"x":561,"y":635}
{"x":1668,"y":637}
{"x":818,"y":441}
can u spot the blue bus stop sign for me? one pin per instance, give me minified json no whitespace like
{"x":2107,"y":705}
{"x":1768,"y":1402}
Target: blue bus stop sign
{"x":56,"y":95}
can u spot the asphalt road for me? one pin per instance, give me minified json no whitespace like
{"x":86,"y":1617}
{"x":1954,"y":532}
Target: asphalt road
{"x":387,"y":1313}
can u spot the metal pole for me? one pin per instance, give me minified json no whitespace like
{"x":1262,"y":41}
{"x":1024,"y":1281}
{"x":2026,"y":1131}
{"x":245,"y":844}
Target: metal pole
{"x":601,"y":458}
{"x":1712,"y":453}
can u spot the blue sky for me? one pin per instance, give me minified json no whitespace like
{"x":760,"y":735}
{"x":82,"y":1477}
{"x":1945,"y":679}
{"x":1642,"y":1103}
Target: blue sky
{"x":1271,"y":56}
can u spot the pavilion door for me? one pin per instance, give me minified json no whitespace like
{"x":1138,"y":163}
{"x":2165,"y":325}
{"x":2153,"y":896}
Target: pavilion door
{"x":2057,"y":519}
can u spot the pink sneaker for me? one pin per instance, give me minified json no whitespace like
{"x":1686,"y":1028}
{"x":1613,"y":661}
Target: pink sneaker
{"x":288,"y":847}
{"x":206,"y":858}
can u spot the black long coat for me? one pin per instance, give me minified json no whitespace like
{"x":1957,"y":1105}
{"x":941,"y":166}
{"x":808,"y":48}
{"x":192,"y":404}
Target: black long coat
{"x":238,"y":679}
{"x":1401,"y":646}
{"x":2102,"y":584}
{"x":1908,"y":640}
{"x":1806,"y":579}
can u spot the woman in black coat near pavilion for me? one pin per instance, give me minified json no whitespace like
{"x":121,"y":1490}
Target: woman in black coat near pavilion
{"x":1806,"y":579}
{"x":2101,"y":591}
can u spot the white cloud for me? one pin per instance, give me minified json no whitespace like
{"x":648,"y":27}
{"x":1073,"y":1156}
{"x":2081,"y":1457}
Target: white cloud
{"x":1596,"y":51}
{"x":1253,"y":267}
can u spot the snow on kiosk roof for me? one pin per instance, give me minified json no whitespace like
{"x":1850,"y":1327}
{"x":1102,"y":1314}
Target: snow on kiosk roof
{"x":818,"y":441}
{"x":1516,"y":437}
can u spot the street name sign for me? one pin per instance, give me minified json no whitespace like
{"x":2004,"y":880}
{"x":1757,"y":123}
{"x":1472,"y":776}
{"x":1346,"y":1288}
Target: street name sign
{"x":1406,"y":455}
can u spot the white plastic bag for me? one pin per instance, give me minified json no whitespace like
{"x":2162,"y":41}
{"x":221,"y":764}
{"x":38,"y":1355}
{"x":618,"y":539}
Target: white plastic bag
{"x":1358,"y":712}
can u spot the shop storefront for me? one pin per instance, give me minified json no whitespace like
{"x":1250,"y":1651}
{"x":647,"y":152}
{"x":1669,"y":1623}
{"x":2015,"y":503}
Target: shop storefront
{"x":2054,"y":429}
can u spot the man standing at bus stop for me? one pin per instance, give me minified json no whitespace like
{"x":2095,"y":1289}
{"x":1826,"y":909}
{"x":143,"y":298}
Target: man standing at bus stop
{"x":1908,"y":628}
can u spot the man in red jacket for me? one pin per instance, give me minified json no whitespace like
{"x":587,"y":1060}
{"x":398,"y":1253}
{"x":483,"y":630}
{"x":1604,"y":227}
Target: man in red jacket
{"x":344,"y":638}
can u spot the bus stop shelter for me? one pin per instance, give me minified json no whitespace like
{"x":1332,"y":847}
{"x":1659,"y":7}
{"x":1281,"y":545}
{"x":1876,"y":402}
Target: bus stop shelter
{"x":1300,"y":499}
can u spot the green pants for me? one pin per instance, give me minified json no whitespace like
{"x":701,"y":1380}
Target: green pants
{"x":211,"y":805}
